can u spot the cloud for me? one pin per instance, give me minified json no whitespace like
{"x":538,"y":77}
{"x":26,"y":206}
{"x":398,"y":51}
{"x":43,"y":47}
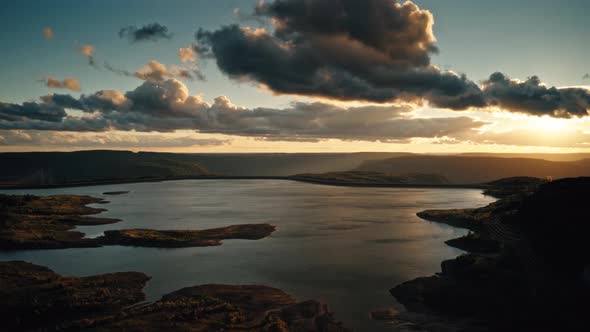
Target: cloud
{"x":586,"y":77}
{"x":167,"y":106}
{"x":48,"y":33}
{"x":157,"y":72}
{"x":88,"y":52}
{"x":533,"y":97}
{"x":374,"y":50}
{"x":15,"y":113}
{"x":149,"y":32}
{"x":67,"y":83}
{"x":153,"y":71}
{"x":187,"y":54}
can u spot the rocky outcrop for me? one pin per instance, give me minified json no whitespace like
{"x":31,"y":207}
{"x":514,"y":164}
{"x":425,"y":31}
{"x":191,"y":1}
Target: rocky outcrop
{"x":225,"y":308}
{"x":474,"y":219}
{"x":33,"y":222}
{"x":533,"y":280}
{"x":33,"y":297}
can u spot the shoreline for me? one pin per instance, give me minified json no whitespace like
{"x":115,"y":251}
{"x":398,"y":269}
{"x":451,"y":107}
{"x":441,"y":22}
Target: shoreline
{"x":224,"y":177}
{"x":48,"y":222}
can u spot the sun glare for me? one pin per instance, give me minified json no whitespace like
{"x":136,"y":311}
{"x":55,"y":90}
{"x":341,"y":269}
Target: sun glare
{"x":550,"y":125}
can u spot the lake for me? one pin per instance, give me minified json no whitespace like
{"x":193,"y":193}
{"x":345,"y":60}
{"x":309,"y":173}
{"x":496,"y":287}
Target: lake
{"x":344,"y":246}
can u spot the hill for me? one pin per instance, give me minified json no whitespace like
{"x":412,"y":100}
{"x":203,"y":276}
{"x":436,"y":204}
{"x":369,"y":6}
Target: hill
{"x":284,"y":164}
{"x":52,"y":168}
{"x":56,"y":168}
{"x":59,"y":168}
{"x":544,"y":156}
{"x":469,"y":170}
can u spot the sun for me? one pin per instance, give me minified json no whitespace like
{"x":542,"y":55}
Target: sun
{"x":548,"y":124}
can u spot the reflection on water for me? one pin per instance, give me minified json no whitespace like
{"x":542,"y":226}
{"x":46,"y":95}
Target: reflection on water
{"x":344,"y":246}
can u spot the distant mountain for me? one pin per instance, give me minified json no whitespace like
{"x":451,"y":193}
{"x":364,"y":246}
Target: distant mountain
{"x":285,"y":164}
{"x":57,"y":168}
{"x":545,"y":156}
{"x":52,"y":168}
{"x":469,"y":170}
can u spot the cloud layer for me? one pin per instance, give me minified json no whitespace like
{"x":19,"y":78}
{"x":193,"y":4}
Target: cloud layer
{"x":374,"y":50}
{"x":149,"y":32}
{"x":110,"y":139}
{"x":167,"y":106}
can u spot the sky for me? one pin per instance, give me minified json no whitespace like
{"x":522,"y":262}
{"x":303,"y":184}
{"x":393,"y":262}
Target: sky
{"x":295,"y":75}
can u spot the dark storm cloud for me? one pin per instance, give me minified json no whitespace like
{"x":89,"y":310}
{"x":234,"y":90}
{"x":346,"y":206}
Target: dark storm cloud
{"x":373,"y":50}
{"x":167,"y":106}
{"x":15,"y":113}
{"x":532,"y":97}
{"x":148,"y":32}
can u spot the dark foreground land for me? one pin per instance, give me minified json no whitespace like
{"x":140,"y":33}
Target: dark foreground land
{"x":33,"y":222}
{"x":527,"y":269}
{"x":528,"y":266}
{"x":33,"y":297}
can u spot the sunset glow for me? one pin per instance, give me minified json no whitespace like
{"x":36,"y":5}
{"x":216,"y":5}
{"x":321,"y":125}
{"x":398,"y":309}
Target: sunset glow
{"x":253,"y":87}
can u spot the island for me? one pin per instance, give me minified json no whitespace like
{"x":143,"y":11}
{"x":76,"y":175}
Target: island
{"x":47,"y":222}
{"x":115,"y":193}
{"x":33,"y":297}
{"x":185,"y":238}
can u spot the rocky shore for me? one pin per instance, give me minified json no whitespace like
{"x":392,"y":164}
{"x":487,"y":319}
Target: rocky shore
{"x":34,"y":222}
{"x":33,"y":297}
{"x":524,"y":269}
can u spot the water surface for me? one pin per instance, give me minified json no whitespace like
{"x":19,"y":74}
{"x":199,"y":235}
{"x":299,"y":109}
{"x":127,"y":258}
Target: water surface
{"x":343,"y":246}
